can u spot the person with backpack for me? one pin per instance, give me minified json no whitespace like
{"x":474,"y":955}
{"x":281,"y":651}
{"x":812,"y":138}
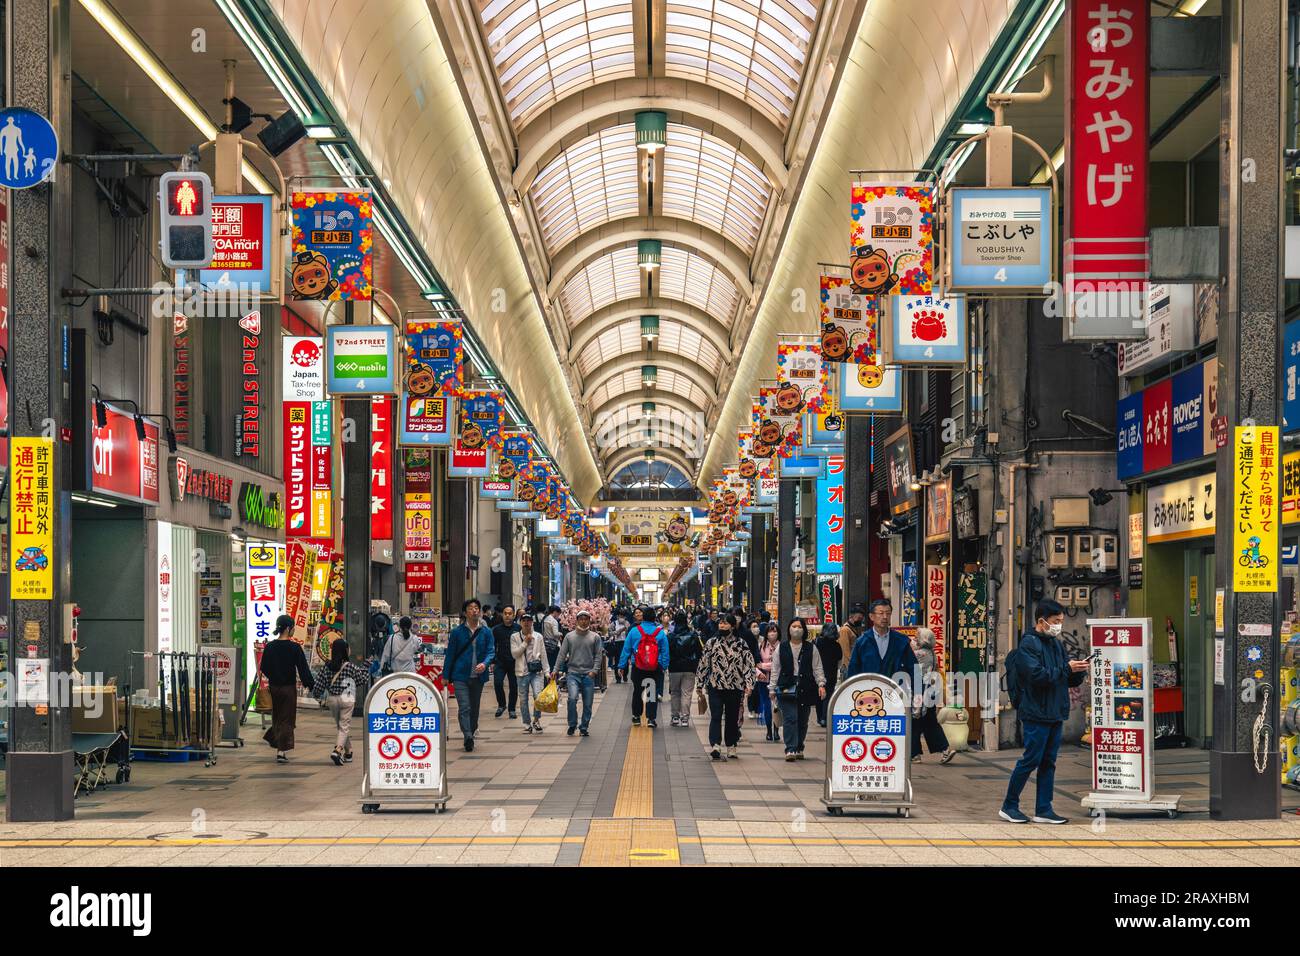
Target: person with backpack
{"x":341,"y":681}
{"x":797,"y":683}
{"x":684,"y":649}
{"x":1039,"y":676}
{"x":727,"y":675}
{"x":646,"y":649}
{"x":551,"y":634}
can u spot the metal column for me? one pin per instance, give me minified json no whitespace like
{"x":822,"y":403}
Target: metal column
{"x":40,"y":762}
{"x":460,"y":501}
{"x":785,"y":558}
{"x":857,"y":504}
{"x":504,"y":580}
{"x":1252,"y":219}
{"x":537,"y":579}
{"x":757,"y":563}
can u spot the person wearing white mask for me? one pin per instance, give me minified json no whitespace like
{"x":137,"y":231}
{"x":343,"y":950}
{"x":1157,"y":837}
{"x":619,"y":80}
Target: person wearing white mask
{"x":1044,"y":674}
{"x":798,"y":681}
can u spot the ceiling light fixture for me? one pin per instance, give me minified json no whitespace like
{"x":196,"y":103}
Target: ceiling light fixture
{"x":649,"y":327}
{"x":649,"y":376}
{"x":651,"y":131}
{"x":648,"y":254}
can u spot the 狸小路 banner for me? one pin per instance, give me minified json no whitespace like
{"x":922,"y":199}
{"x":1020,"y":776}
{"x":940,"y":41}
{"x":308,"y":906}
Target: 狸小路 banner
{"x":333,"y":245}
{"x":891,"y":238}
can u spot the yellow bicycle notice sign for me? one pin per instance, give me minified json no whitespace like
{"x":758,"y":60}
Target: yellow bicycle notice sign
{"x":1256,"y":505}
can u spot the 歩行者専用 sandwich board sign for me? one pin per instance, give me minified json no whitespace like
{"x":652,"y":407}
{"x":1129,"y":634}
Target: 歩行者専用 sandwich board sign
{"x":405,"y":743}
{"x":1121,"y":694}
{"x":868,"y":756}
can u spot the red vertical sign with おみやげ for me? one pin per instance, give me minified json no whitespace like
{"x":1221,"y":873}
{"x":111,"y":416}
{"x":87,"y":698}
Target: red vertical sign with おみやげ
{"x":1107,"y":144}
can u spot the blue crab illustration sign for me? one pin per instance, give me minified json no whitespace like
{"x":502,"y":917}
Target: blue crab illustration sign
{"x":868,"y":756}
{"x":406,"y":749}
{"x":29,"y":148}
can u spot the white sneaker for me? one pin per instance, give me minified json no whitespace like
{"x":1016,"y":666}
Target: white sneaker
{"x":677,"y":721}
{"x":732,"y":752}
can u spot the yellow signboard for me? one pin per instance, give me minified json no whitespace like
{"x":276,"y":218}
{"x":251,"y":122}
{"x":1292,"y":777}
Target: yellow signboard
{"x":31,"y":519}
{"x":1291,"y":488}
{"x":1256,"y":506}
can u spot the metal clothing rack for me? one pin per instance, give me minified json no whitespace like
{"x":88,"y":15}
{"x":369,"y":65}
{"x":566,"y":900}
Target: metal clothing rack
{"x":187,"y":704}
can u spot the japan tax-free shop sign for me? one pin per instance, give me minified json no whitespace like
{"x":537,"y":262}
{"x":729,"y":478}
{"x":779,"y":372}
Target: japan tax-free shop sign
{"x":1123,"y":725}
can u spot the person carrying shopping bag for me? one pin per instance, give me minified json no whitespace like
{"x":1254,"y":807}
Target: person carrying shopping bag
{"x":528,"y":648}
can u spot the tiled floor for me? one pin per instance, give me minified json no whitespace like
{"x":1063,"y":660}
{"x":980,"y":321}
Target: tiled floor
{"x":621,"y":796}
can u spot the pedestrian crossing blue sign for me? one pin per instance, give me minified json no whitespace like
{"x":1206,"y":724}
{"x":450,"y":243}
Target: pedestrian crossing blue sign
{"x":29,"y":148}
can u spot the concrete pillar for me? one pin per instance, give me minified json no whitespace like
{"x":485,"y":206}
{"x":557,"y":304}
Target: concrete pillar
{"x":785,"y":537}
{"x":1252,"y":217}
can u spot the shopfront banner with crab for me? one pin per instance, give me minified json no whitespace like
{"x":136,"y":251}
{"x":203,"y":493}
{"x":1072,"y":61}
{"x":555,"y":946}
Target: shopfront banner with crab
{"x":925,"y":330}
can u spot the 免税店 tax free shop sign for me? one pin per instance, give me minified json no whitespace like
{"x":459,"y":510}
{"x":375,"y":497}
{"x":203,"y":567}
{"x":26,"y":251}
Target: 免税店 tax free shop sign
{"x":361,"y":360}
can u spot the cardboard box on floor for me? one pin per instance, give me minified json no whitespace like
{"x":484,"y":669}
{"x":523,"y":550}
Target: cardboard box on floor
{"x":96,"y":710}
{"x":153,"y":727}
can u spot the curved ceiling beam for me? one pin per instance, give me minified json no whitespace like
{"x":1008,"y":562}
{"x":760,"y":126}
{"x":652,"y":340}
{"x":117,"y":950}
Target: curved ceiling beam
{"x":698,"y":374}
{"x":670,"y":455}
{"x":691,"y":450}
{"x":663,"y":400}
{"x":671,"y":231}
{"x":687,"y":102}
{"x":631,"y":310}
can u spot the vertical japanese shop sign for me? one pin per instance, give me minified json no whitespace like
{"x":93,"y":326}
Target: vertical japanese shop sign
{"x":166,"y":572}
{"x":910,"y":614}
{"x":972,"y":605}
{"x":248,"y":421}
{"x":1256,"y":460}
{"x":1107,"y":260}
{"x":830,"y":517}
{"x":297,"y":469}
{"x":263,"y":602}
{"x":381,"y":469}
{"x":936,"y":610}
{"x":332,"y":607}
{"x":4,"y":320}
{"x":332,"y":245}
{"x":31,"y":519}
{"x":182,"y":378}
{"x":297,"y":583}
{"x":1122,"y":719}
{"x":322,"y":471}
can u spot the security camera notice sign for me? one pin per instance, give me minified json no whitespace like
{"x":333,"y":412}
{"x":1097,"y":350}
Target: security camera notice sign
{"x":868,"y":747}
{"x":403,"y":727}
{"x":1121,"y":698}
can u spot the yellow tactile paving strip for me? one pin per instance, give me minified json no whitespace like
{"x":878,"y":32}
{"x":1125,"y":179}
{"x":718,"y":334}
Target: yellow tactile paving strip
{"x":633,"y":837}
{"x":641,"y":841}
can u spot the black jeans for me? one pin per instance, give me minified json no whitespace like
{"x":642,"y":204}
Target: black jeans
{"x":652,"y":705}
{"x":794,"y":716}
{"x":502,"y":673}
{"x":830,"y":689}
{"x":724,"y":715}
{"x":927,"y":726}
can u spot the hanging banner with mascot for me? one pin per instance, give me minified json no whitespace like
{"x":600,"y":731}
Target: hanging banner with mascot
{"x":780,"y":427}
{"x":850,"y":323}
{"x":801,"y":378}
{"x":333,"y":246}
{"x":482,"y":419}
{"x":435,"y":359}
{"x":516,"y":455}
{"x":891,"y":239}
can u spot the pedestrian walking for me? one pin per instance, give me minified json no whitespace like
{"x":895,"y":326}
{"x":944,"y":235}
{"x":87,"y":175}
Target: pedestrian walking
{"x":684,"y":649}
{"x":551,"y":634}
{"x":926,"y":722}
{"x":344,"y":681}
{"x":401,"y":650}
{"x":528,"y":649}
{"x":470,"y":648}
{"x":849,"y":634}
{"x":882,"y":650}
{"x":578,"y":659}
{"x":282,"y":662}
{"x":828,"y":645}
{"x":503,"y":666}
{"x":798,"y":682}
{"x":726,"y":673}
{"x":767,"y":648}
{"x":1039,"y":677}
{"x":646,"y":650}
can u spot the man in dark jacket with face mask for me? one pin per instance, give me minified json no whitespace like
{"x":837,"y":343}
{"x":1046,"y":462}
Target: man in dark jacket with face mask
{"x":1046,"y":675}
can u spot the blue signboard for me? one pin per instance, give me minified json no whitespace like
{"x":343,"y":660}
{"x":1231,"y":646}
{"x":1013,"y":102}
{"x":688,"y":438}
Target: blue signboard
{"x":801,"y":467}
{"x":820,"y":440}
{"x":925,"y":330}
{"x":865,"y":388}
{"x":1001,"y":238}
{"x":1290,"y":374}
{"x":1128,"y":462}
{"x":830,"y":517}
{"x":1188,"y":414}
{"x":362,"y":360}
{"x":29,"y":148}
